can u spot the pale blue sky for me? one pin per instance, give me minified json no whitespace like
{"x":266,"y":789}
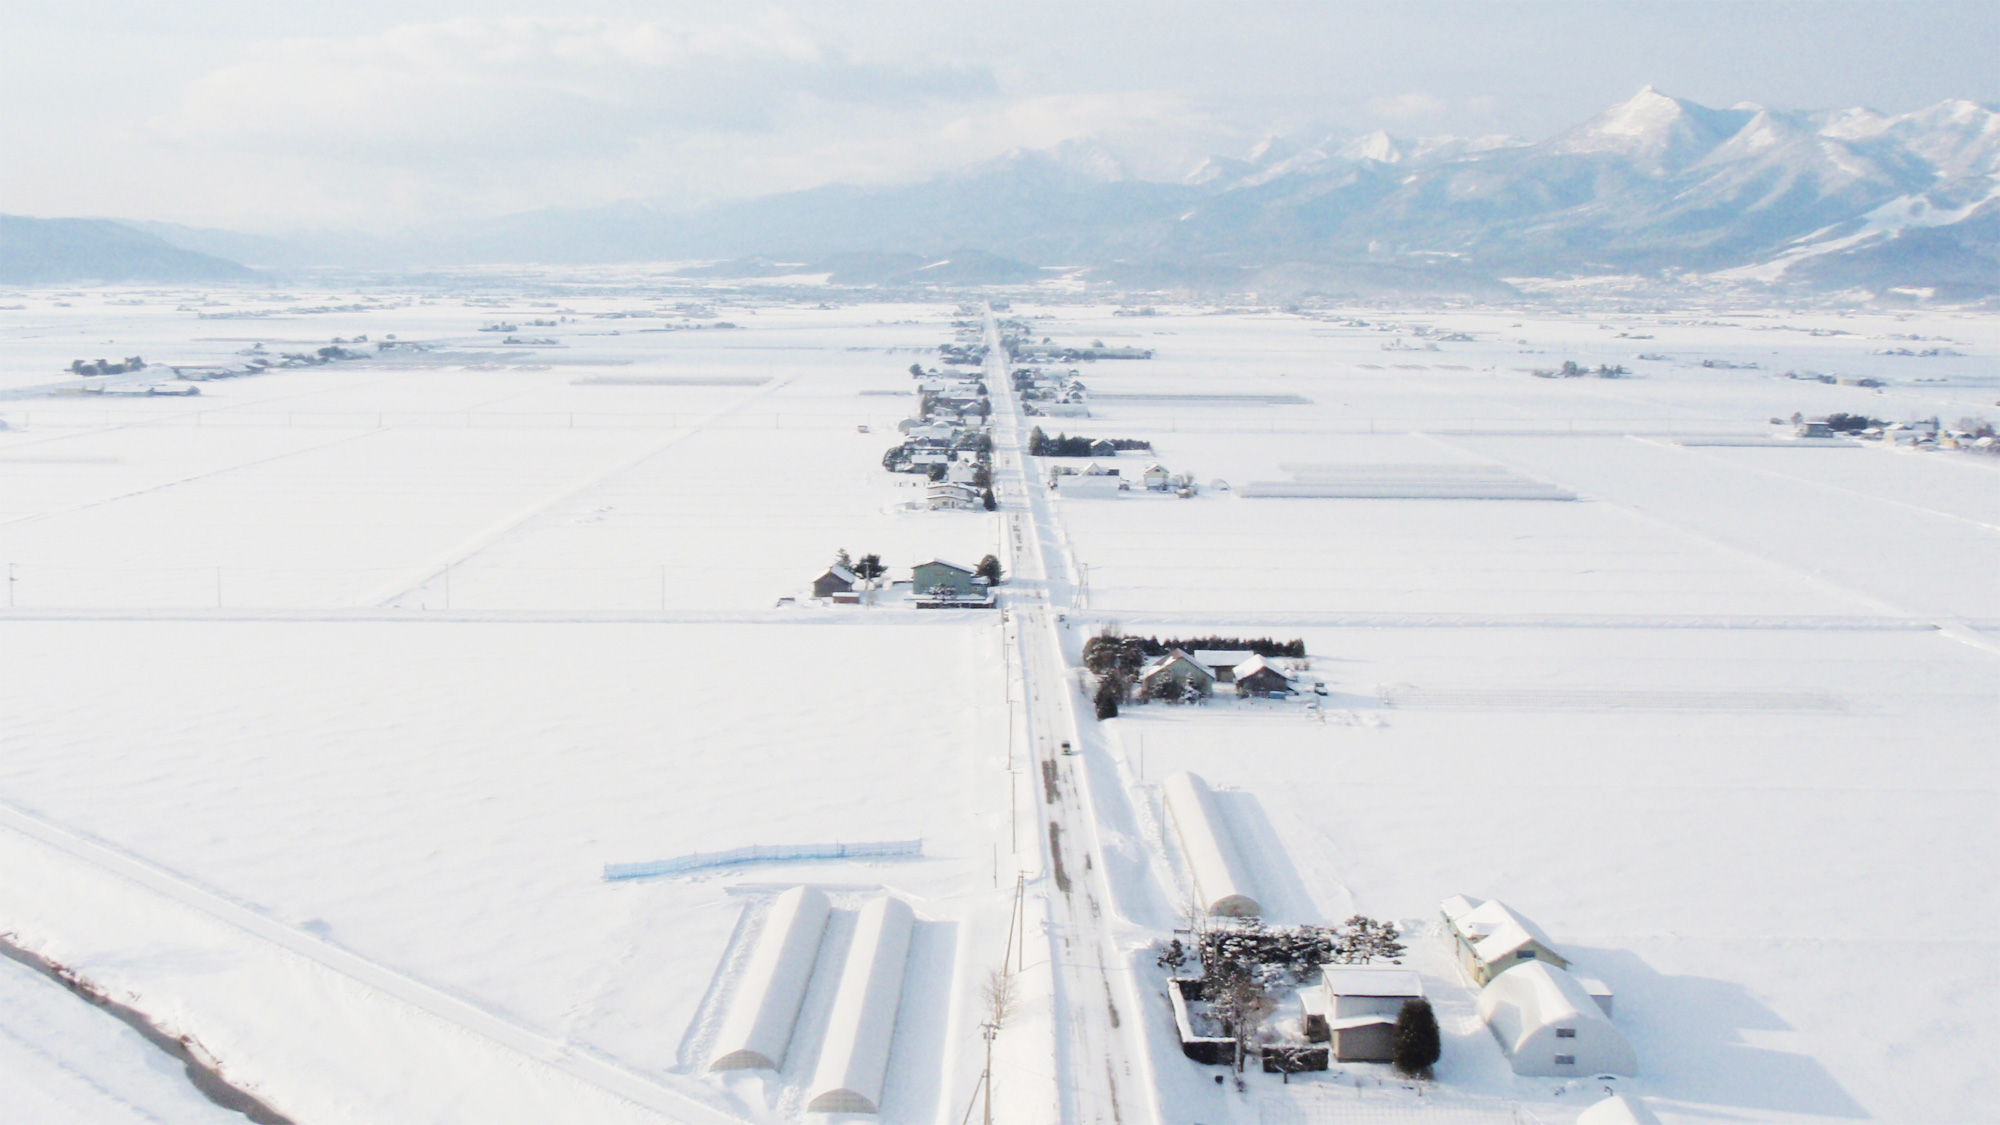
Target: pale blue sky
{"x":270,"y":115}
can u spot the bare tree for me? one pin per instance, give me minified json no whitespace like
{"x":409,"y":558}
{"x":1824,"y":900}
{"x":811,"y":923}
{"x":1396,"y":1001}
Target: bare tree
{"x":1000,"y":991}
{"x":1239,"y":997}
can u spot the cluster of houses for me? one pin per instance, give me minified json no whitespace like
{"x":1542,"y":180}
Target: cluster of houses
{"x":1972,"y":435}
{"x":948,"y":439}
{"x":1549,"y":1022}
{"x":1095,"y":480}
{"x":106,"y":367}
{"x":1052,"y":394}
{"x":936,"y":584}
{"x":1049,"y":351}
{"x":1193,"y":675}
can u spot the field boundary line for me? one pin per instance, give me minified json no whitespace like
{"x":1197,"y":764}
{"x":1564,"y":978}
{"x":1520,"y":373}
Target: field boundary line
{"x":590,"y":1069}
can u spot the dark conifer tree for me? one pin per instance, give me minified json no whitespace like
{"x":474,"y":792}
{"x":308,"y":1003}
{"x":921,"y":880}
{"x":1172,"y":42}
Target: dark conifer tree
{"x":1416,"y":1045}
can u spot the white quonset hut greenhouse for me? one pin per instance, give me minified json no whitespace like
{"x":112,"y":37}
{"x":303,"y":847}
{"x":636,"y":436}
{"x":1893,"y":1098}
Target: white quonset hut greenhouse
{"x":1549,"y":1026}
{"x":758,"y":1030}
{"x":1222,"y":883}
{"x":855,"y":1056}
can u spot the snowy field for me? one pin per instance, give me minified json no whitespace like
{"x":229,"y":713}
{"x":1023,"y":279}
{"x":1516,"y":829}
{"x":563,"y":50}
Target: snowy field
{"x":1708,"y":723}
{"x":325,"y":695}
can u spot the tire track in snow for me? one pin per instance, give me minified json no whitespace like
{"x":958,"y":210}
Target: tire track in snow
{"x":1958,"y":629}
{"x":1108,"y":1080}
{"x":412,"y":582}
{"x":216,"y":472}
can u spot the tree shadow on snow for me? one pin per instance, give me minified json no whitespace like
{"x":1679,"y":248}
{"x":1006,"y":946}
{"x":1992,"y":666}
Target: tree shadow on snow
{"x":1689,"y":1029}
{"x":1280,"y":891}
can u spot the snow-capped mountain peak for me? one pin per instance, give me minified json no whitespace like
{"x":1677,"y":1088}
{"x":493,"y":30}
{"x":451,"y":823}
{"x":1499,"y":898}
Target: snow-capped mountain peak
{"x":1661,"y":132}
{"x":1377,"y":146}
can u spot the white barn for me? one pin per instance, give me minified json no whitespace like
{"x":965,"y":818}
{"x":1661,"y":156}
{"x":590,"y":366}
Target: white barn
{"x":1549,"y":1026}
{"x":1359,"y":1004}
{"x":855,"y":1054}
{"x":758,"y":1030}
{"x":1222,"y":883}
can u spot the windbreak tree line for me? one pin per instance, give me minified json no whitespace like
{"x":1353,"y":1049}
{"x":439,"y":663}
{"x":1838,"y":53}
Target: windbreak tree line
{"x":1062,"y":445}
{"x":1116,"y":652}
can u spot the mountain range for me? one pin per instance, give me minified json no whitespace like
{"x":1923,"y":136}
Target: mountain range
{"x":1657,"y":185}
{"x":50,"y":251}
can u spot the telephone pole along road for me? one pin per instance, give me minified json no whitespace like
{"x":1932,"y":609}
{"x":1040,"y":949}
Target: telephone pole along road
{"x":1101,"y":1059}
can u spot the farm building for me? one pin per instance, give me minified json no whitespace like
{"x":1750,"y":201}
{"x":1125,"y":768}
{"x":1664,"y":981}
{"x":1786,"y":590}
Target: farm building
{"x":855,"y":1055}
{"x":1080,"y":486}
{"x":1221,"y":881}
{"x":1549,"y":1026}
{"x":1175,"y":670}
{"x":1156,"y":478}
{"x":1354,"y":1008}
{"x":939,"y":574}
{"x":758,"y":1030}
{"x":1221,"y":662}
{"x":946,"y":495}
{"x":1491,"y":937}
{"x":836,"y":580}
{"x":1258,"y":676}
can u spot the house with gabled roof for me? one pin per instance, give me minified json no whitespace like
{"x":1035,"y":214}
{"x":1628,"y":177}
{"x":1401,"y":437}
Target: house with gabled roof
{"x":837,"y":580}
{"x":1175,"y":670}
{"x":1492,"y":937}
{"x":950,"y":495}
{"x":937,"y":574}
{"x":1258,"y":676}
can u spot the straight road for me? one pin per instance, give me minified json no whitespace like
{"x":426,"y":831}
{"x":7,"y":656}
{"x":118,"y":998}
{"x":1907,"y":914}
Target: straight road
{"x":1100,"y":1048}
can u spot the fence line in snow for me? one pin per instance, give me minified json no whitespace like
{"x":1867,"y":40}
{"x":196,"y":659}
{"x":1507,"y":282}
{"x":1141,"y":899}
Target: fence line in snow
{"x":763,"y":853}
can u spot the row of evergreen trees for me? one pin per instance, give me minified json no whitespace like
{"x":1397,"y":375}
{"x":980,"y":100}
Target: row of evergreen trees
{"x":1062,"y":445}
{"x":1111,"y":652}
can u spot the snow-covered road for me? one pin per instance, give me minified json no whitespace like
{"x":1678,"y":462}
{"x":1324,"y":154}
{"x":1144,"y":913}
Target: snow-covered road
{"x":1100,"y":1053}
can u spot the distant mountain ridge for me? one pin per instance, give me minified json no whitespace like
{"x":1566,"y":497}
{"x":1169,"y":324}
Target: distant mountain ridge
{"x":54,"y":251}
{"x":1655,"y":185}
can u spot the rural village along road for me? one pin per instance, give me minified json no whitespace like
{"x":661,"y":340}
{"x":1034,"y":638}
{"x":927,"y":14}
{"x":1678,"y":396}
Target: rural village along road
{"x":1102,"y":1072}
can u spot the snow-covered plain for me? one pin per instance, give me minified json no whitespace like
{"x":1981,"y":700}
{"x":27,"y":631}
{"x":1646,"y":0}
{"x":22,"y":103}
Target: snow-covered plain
{"x":325,"y":694}
{"x":1712,"y":724}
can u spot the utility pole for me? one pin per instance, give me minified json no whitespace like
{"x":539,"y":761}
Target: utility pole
{"x":989,"y":1030}
{"x":10,"y":605}
{"x":1021,"y":920}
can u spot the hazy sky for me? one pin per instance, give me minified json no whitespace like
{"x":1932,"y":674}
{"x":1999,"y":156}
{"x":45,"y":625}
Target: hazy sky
{"x":269,"y":115}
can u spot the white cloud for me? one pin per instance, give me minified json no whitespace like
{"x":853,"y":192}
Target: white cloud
{"x":1408,"y":107}
{"x":500,"y":89}
{"x":485,"y":116}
